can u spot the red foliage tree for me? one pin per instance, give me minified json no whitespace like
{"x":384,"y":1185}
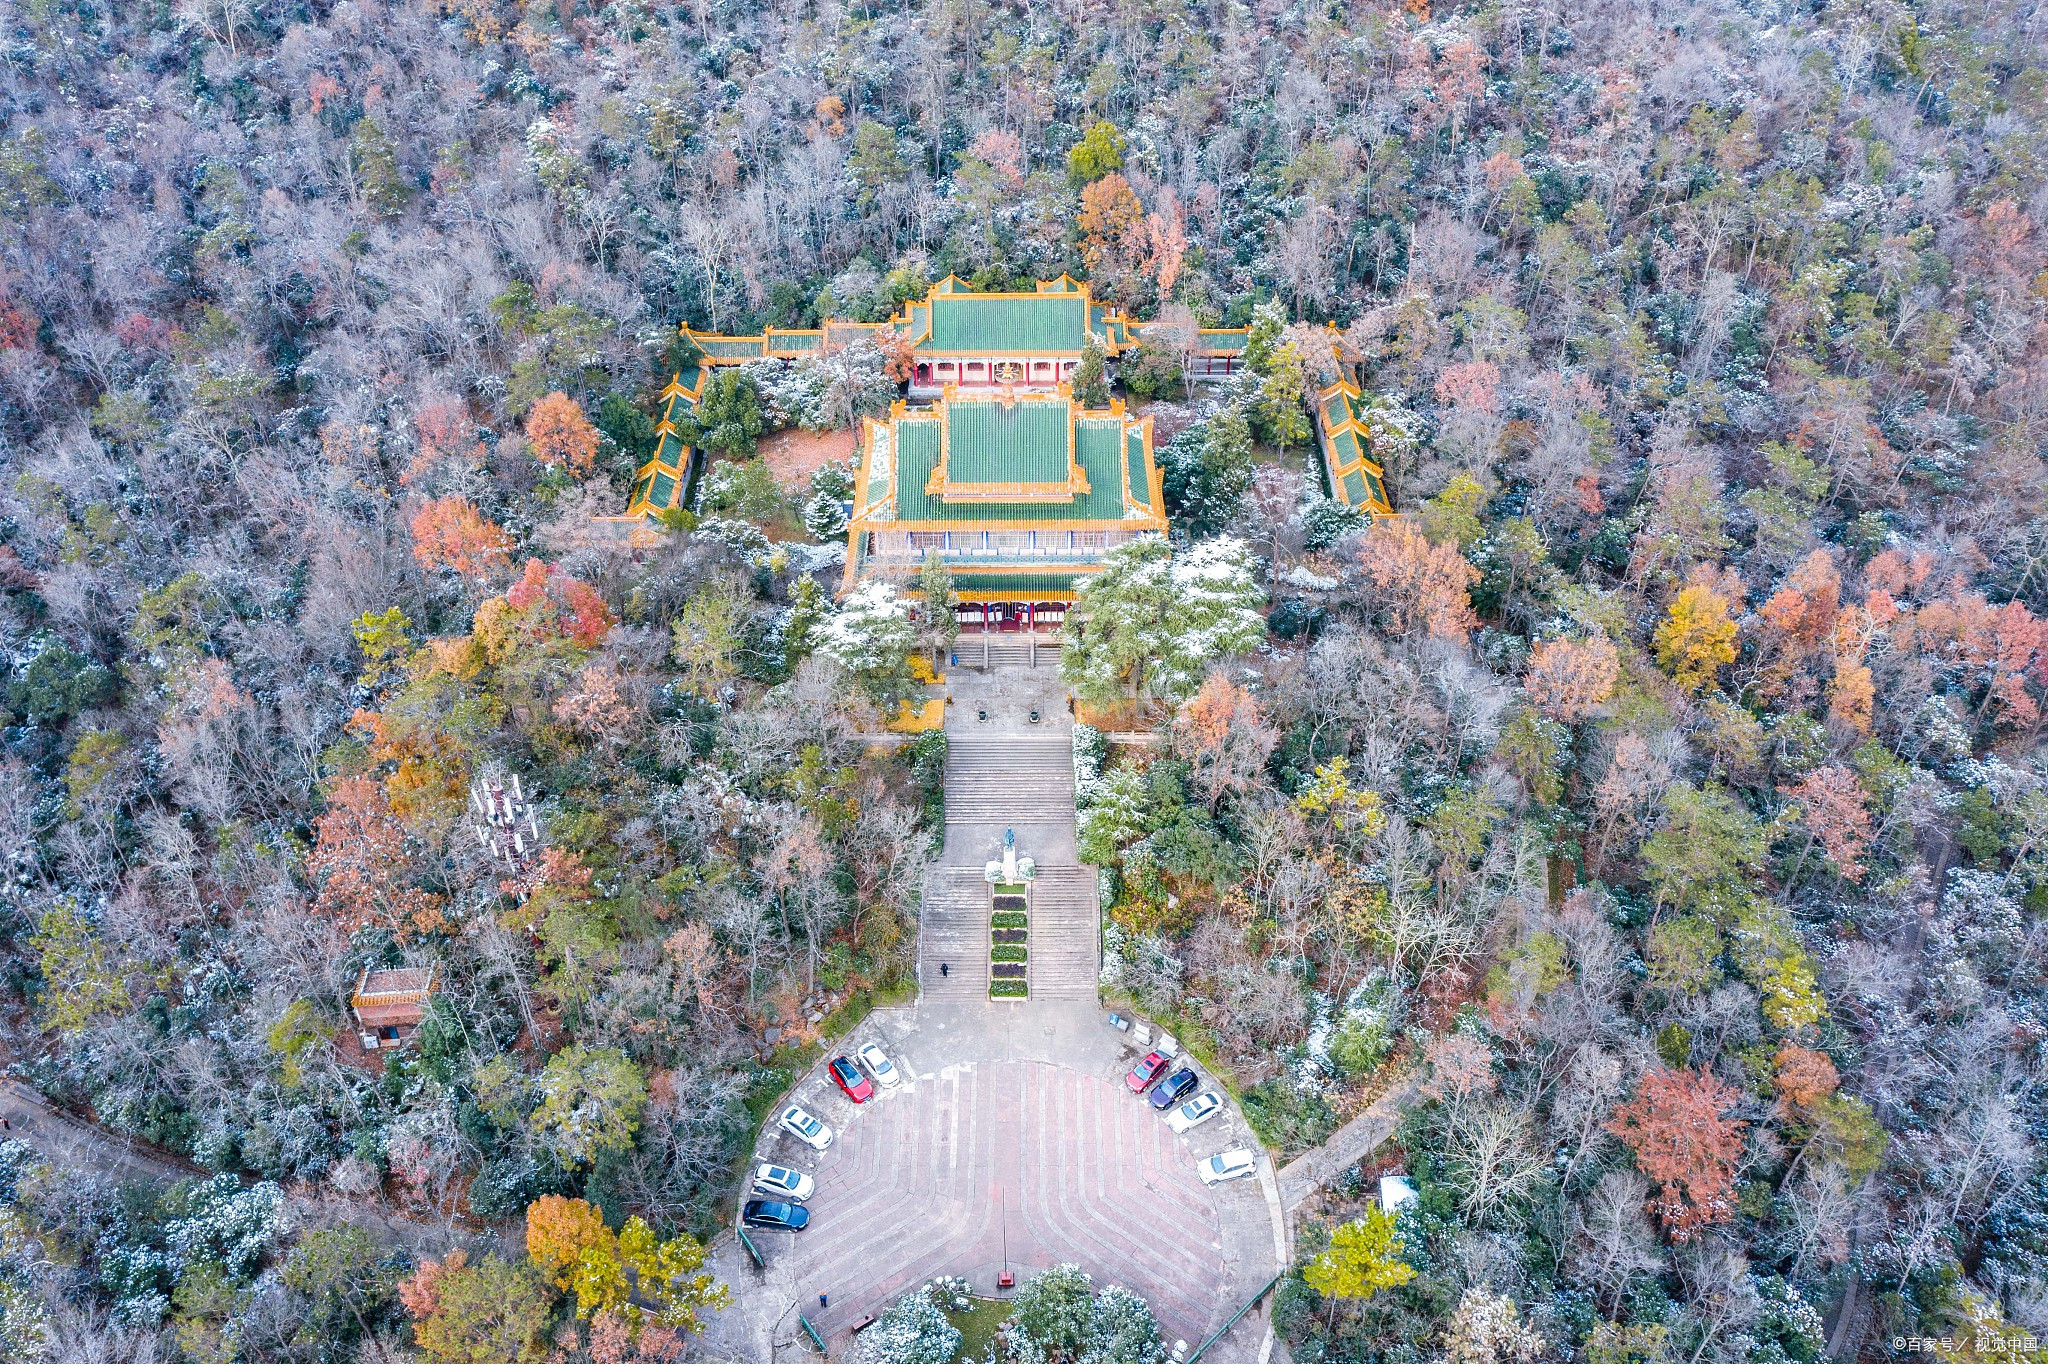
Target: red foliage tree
{"x":1227,"y":737}
{"x":1675,"y":1129}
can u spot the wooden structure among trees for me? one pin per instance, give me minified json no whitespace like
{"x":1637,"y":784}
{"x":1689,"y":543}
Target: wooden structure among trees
{"x":389,"y":1004}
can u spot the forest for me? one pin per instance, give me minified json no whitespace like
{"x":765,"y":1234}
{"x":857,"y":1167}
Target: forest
{"x":1660,"y":802}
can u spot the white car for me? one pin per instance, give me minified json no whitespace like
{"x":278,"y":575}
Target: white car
{"x":1230,"y":1165}
{"x":783,"y":1183}
{"x":878,"y":1064}
{"x":805,"y":1128}
{"x":1194,"y":1112}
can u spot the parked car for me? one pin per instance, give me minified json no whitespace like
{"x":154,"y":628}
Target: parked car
{"x":764,"y":1212}
{"x":805,"y":1128}
{"x":781,"y":1182}
{"x":851,"y":1082}
{"x":1173,"y":1091}
{"x":1228,"y":1166}
{"x":1145,"y":1072}
{"x":878,"y":1064}
{"x":1194,"y":1112}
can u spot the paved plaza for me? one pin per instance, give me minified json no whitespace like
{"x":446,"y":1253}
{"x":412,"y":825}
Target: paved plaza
{"x":1013,"y":1141}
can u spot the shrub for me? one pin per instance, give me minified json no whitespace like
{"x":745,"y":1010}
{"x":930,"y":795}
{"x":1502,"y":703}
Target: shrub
{"x":1008,"y":989}
{"x":1008,"y":952}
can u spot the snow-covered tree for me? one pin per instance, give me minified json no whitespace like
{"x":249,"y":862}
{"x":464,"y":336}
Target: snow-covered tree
{"x":912,"y":1331}
{"x":1060,"y":1319}
{"x":871,"y":637}
{"x":1156,"y":620}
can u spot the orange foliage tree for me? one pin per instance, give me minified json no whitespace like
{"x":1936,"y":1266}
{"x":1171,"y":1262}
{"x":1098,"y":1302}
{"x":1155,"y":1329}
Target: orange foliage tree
{"x":361,"y":862}
{"x":1227,"y":738}
{"x":560,"y":434}
{"x":1112,"y":224}
{"x":1167,"y":241}
{"x":1424,"y":586}
{"x":1804,"y":1077}
{"x":448,"y":532}
{"x":1568,"y":680}
{"x":558,"y":1231}
{"x":1674,"y":1128}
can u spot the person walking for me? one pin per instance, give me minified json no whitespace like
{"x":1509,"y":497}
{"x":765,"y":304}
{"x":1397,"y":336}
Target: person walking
{"x":945,"y":968}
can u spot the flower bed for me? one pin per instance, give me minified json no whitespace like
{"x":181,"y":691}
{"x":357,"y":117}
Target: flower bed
{"x":1009,"y":922}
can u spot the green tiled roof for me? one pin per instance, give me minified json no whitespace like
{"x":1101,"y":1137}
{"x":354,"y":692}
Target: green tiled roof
{"x":792,"y":343}
{"x":1344,"y":449}
{"x":1098,"y":446}
{"x":1354,"y":488}
{"x":1232,"y":339}
{"x":1014,"y":443}
{"x":733,"y":347}
{"x":1024,"y":585}
{"x":663,"y":493}
{"x":1134,"y":466}
{"x":976,"y":322}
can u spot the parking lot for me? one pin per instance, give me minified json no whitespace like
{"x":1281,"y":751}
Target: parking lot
{"x":1017,"y":1146}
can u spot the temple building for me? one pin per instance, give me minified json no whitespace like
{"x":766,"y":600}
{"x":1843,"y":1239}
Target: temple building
{"x":1020,"y":491}
{"x":991,"y":464}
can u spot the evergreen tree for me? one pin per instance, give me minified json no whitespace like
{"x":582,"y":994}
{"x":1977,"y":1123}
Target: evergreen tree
{"x":728,"y":417}
{"x":1091,"y":377}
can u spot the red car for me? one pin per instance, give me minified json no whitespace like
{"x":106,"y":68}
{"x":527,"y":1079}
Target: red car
{"x":1145,"y":1072}
{"x":847,"y":1076}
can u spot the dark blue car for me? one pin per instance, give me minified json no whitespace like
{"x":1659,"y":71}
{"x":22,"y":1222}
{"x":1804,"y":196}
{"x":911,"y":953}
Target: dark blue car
{"x":1174,"y":1090}
{"x":762,"y":1212}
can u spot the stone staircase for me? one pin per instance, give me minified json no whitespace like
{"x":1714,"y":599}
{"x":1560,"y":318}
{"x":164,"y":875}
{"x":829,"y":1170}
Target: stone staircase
{"x":994,"y":780}
{"x":988,"y":652}
{"x":1009,"y":779}
{"x":1066,"y":955}
{"x":955,"y":930}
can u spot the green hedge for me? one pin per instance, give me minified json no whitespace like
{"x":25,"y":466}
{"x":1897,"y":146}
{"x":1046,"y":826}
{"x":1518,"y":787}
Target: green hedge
{"x":1007,"y":952}
{"x":1008,"y":919}
{"x":1008,"y":989}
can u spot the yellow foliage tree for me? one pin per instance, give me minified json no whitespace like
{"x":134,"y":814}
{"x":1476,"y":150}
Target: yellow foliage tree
{"x":1364,"y":1257}
{"x":633,"y":1273}
{"x":1696,"y":639}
